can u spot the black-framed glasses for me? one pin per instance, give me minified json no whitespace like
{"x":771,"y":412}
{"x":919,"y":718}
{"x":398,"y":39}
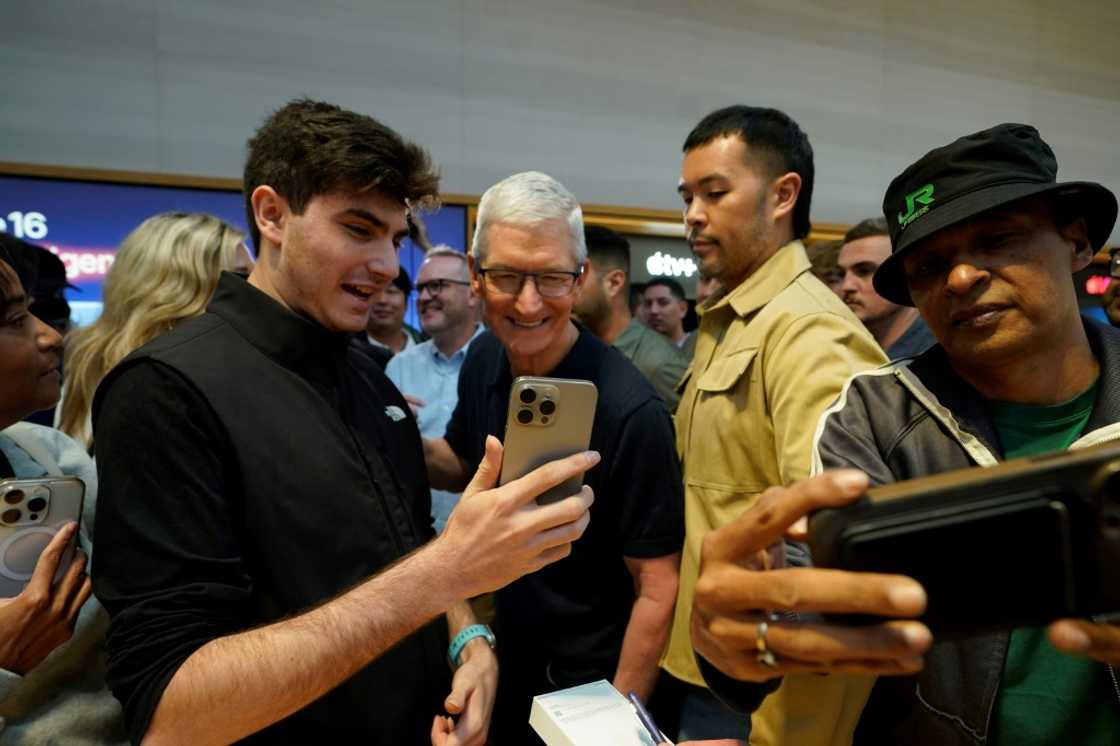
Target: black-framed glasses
{"x":435,"y":287}
{"x":555,"y":284}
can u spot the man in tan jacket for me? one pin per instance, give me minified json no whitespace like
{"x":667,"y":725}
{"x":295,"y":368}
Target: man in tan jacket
{"x":773,"y":352}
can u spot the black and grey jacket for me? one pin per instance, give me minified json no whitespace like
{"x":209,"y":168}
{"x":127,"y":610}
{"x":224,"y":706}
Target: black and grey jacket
{"x":909,"y":419}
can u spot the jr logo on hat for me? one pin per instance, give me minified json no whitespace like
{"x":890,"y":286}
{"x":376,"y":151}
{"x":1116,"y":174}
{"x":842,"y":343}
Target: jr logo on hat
{"x":976,"y":173}
{"x":923,"y":197}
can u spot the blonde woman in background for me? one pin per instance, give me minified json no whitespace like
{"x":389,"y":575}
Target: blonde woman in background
{"x":164,"y":272}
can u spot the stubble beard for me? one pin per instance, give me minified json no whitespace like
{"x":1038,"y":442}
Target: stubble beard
{"x":593,"y":313}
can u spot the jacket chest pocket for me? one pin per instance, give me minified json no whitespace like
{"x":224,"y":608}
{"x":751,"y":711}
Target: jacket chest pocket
{"x":722,"y":377}
{"x":730,"y":426}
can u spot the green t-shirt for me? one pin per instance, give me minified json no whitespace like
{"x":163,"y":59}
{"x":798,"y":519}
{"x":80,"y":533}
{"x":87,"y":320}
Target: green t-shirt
{"x":1047,"y":697}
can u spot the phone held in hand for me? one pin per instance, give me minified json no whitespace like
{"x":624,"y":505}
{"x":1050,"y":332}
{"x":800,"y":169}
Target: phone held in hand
{"x":32,"y":511}
{"x":547,"y":419}
{"x":1018,"y":544}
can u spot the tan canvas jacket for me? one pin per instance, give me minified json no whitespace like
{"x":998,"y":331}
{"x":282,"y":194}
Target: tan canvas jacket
{"x":771,"y":355}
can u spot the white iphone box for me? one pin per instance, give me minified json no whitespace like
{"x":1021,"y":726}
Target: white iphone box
{"x":594,"y":714}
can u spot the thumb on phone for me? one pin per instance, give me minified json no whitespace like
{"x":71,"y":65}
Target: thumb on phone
{"x":489,"y":469}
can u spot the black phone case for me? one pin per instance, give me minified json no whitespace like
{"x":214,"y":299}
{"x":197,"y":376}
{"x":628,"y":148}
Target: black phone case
{"x":1018,"y":544}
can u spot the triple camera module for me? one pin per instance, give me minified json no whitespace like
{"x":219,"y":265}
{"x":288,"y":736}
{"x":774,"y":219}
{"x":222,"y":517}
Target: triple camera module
{"x":19,"y":507}
{"x":538,"y":405}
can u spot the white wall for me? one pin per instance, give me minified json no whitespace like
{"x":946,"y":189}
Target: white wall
{"x":600,"y":94}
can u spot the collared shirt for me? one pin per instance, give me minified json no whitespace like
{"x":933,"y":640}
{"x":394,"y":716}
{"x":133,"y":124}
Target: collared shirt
{"x":771,"y":355}
{"x":576,"y":610}
{"x":564,"y":624}
{"x":426,"y":373}
{"x":655,"y":357}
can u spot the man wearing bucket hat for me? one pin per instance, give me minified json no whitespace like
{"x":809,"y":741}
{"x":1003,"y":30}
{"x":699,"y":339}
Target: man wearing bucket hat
{"x":985,"y":240}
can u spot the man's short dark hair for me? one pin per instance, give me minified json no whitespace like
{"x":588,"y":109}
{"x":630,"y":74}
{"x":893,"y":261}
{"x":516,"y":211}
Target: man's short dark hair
{"x":308,"y":148}
{"x":774,"y":139}
{"x":607,"y":248}
{"x":403,"y":281}
{"x":824,"y":258}
{"x":675,"y":288}
{"x":867,"y":228}
{"x":636,"y":290}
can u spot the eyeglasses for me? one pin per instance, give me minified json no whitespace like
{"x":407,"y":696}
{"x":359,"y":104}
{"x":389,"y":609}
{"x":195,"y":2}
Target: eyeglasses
{"x":510,"y":281}
{"x":1114,"y":265}
{"x":435,"y":287}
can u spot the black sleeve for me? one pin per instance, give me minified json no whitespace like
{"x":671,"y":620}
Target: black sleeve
{"x":741,"y":696}
{"x":168,"y":565}
{"x":645,"y":483}
{"x":463,"y":429}
{"x":848,"y":441}
{"x":747,"y":696}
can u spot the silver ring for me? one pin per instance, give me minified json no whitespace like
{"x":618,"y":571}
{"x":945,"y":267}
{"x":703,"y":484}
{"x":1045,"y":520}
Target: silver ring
{"x":765,"y":655}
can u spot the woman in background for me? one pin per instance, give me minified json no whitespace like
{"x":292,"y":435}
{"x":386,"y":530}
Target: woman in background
{"x":164,"y":272}
{"x":52,"y":634}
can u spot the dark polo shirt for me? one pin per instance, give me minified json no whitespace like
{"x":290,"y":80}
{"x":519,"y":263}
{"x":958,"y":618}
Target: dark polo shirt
{"x":572,"y":614}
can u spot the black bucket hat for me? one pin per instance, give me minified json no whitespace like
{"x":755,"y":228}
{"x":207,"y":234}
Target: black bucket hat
{"x":974,"y":174}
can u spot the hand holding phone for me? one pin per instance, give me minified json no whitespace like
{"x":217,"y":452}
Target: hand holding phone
{"x":1018,"y":544}
{"x":740,"y":588}
{"x":42,"y":616}
{"x":498,"y":534}
{"x":32,"y":512}
{"x":548,"y":419}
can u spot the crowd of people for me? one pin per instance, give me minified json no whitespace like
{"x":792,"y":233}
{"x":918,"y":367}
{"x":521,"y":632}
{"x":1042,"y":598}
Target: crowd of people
{"x":301,"y":535}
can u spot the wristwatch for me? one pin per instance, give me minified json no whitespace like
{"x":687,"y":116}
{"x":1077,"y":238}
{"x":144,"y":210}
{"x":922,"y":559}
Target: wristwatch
{"x":455,"y":649}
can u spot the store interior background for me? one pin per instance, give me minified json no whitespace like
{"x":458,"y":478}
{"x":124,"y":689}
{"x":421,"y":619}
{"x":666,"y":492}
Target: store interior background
{"x":598,"y":94}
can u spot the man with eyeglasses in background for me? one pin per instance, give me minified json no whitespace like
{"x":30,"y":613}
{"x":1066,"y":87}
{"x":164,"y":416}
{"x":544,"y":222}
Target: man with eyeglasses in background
{"x":604,"y":611}
{"x":428,"y":373}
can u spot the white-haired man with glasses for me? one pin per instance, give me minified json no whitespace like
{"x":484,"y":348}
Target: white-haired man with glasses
{"x":428,"y":373}
{"x":605,"y":610}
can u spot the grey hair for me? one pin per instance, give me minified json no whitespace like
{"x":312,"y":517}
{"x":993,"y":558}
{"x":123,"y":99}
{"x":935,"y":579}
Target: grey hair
{"x":445,"y":250}
{"x":526,"y":200}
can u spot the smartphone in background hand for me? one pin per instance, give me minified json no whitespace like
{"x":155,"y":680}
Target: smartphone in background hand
{"x":547,"y":419}
{"x":32,"y":511}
